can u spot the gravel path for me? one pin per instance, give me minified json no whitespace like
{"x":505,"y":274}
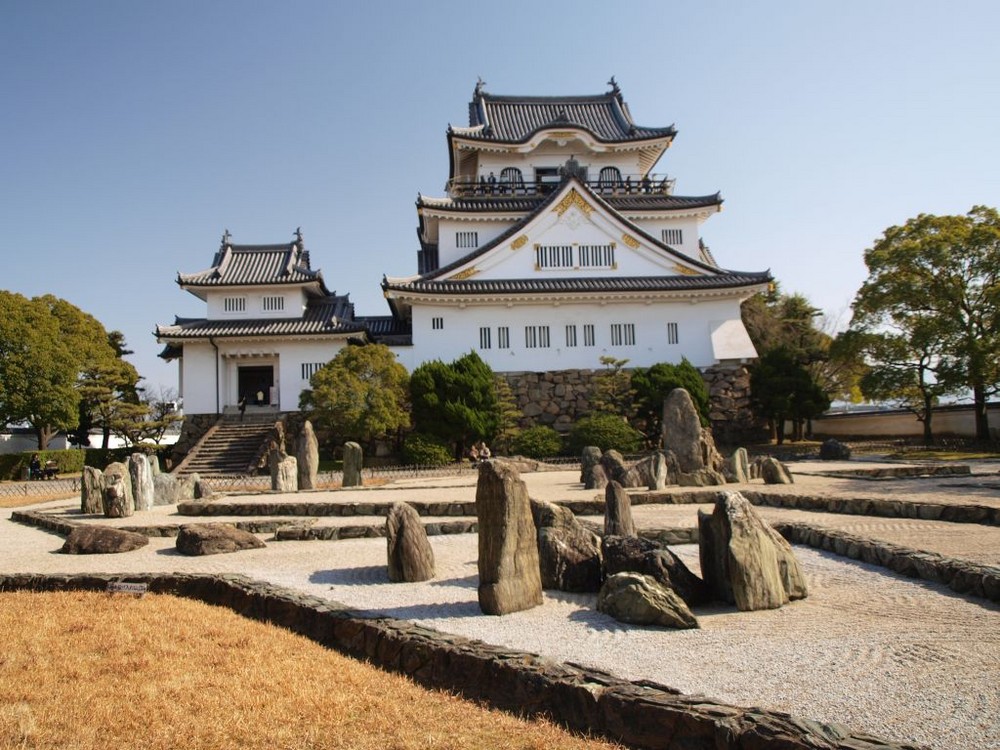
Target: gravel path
{"x":899,"y":658}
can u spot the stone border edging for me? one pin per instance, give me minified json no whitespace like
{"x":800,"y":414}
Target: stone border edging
{"x":639,"y":714}
{"x":221,"y":508}
{"x":962,"y":576}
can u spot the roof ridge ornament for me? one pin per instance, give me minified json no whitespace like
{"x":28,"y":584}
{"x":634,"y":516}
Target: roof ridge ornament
{"x":480,"y":85}
{"x":298,"y":238}
{"x":226,"y":237}
{"x":572,"y":168}
{"x":615,"y":89}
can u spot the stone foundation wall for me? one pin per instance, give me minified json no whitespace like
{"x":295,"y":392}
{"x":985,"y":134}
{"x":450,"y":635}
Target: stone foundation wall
{"x":558,"y":398}
{"x":192,"y":429}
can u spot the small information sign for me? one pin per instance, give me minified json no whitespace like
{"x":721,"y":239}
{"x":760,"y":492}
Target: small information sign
{"x":134,"y":589}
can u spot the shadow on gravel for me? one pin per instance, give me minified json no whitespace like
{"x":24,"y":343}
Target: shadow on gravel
{"x":364,"y":575}
{"x":451,"y":610}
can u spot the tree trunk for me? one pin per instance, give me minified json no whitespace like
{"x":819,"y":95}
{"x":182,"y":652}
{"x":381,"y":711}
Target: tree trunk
{"x":45,"y":435}
{"x":928,"y":414}
{"x":107,"y":437}
{"x":982,"y":419}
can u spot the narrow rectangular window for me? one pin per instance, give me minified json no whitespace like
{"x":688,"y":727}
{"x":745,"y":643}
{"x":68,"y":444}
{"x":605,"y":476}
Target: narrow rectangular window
{"x":437,"y":324}
{"x":503,"y":337}
{"x":485,"y":340}
{"x":465,"y":240}
{"x":570,"y":335}
{"x":672,"y":337}
{"x":673,"y":236}
{"x":274,"y":304}
{"x":553,"y":256}
{"x":597,"y":256}
{"x":234,"y":304}
{"x":309,"y":369}
{"x":629,"y":334}
{"x":588,"y":334}
{"x":616,"y":334}
{"x":536,"y":337}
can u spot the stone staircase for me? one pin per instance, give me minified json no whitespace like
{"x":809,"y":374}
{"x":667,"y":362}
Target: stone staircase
{"x":229,"y":447}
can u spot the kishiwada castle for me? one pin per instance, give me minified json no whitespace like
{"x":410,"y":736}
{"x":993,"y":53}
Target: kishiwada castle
{"x":554,"y":244}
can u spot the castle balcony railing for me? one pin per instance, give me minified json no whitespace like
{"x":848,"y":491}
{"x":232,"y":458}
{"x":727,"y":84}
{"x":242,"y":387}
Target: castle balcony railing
{"x":491,"y":187}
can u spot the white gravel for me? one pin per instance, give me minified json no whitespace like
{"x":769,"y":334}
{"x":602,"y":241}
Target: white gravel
{"x":902,"y":659}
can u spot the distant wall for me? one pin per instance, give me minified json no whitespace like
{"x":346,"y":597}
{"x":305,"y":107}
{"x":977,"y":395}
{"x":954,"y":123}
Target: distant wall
{"x":956,"y":421}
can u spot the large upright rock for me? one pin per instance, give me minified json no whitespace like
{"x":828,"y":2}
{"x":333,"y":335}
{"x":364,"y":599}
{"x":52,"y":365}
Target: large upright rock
{"x":694,"y":446}
{"x":743,"y":560}
{"x":411,"y":557}
{"x":737,"y":468}
{"x":509,"y":574}
{"x":170,"y":489}
{"x":569,"y":554}
{"x":618,"y":511}
{"x":143,"y":491}
{"x":307,"y":455}
{"x":654,"y":472}
{"x":591,"y":472}
{"x":353,"y":459}
{"x":92,"y":491}
{"x":641,"y":600}
{"x":772,"y":471}
{"x":116,"y":495}
{"x":614,"y":466}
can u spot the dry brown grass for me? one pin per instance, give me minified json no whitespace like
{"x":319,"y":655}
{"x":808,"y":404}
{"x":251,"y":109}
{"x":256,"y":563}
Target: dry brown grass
{"x":86,"y":670}
{"x":17,"y":501}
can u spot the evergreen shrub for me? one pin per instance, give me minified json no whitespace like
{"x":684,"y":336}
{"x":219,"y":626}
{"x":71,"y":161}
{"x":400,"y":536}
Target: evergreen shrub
{"x":606,"y":431}
{"x":424,"y":450}
{"x":539,"y":441}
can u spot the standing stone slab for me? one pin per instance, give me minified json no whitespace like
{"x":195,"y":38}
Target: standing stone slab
{"x":353,"y":458}
{"x":737,"y":468}
{"x":614,"y":466}
{"x":682,"y":430}
{"x":743,"y":560}
{"x":285,"y":474}
{"x":509,"y":575}
{"x":92,"y":491}
{"x":617,"y":511}
{"x":590,"y":460}
{"x":308,"y":457}
{"x":143,"y":492}
{"x":411,"y":557}
{"x":117,"y":493}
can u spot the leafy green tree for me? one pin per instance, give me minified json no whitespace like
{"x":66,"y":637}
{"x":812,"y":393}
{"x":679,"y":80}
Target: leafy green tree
{"x":783,"y":389}
{"x":612,"y":389}
{"x":508,"y":417}
{"x":456,"y":402}
{"x":38,"y":368}
{"x":938,"y":277}
{"x":540,"y":441}
{"x":361,"y":394}
{"x":606,"y":431}
{"x":653,"y":384}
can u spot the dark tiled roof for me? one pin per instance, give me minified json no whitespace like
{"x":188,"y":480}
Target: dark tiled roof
{"x":514,"y":119}
{"x":239,"y":265}
{"x":326,"y":316}
{"x":500,"y":204}
{"x":726,"y":280}
{"x":384,"y":325}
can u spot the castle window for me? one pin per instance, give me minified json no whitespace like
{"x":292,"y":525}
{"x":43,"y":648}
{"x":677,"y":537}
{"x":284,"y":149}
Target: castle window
{"x":536,"y":337}
{"x":234,"y":304}
{"x":588,"y":334}
{"x":503,"y":337}
{"x":553,"y":256}
{"x":609,"y":179}
{"x":309,"y":369}
{"x":570,"y":335}
{"x":511,"y":177}
{"x":466,"y":240}
{"x":623,"y":334}
{"x":437,"y":324}
{"x":274,"y":304}
{"x":485,"y":339}
{"x":673,"y":236}
{"x":672,"y":337}
{"x":597,"y":256}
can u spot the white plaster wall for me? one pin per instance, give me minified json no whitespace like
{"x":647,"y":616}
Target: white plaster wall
{"x":461,"y":333}
{"x":198,"y":378}
{"x":448,"y":250}
{"x":293,"y":355}
{"x":294,"y":302}
{"x":689,"y":226}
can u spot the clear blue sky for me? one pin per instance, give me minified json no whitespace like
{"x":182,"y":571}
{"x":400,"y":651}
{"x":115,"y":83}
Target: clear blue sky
{"x":133,"y":133}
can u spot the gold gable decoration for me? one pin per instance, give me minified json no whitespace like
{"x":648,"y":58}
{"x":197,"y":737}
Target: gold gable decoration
{"x":573,"y":198}
{"x":519,"y":242}
{"x":685,"y":271}
{"x":463,"y":275}
{"x":631,"y":241}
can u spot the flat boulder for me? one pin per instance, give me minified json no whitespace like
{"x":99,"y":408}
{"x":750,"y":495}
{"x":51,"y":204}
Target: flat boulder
{"x":638,"y":555}
{"x":744,"y":560}
{"x":213,"y":539}
{"x":101,"y":540}
{"x":509,"y":572}
{"x":411,"y":557}
{"x":641,"y":600}
{"x":772,"y":471}
{"x":834,"y":450}
{"x":569,"y":554}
